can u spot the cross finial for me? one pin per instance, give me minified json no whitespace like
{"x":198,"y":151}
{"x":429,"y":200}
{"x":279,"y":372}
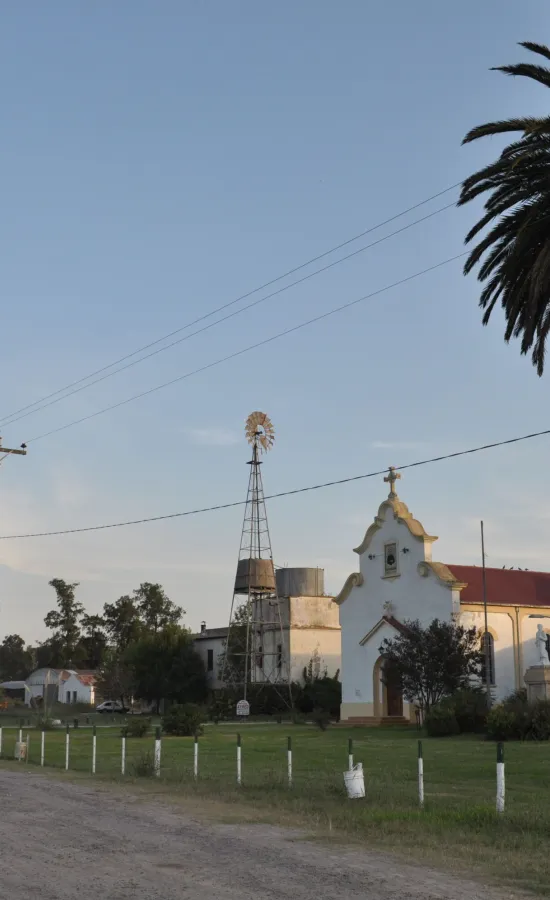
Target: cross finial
{"x":390,"y":479}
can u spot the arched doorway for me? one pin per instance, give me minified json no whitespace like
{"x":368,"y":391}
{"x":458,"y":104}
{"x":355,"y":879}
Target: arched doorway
{"x":387,"y":694}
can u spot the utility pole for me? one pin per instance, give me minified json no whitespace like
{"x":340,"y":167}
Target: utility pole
{"x":485,"y":636}
{"x":6,"y":451}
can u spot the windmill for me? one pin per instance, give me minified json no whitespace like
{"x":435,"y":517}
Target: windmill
{"x":256,"y":652}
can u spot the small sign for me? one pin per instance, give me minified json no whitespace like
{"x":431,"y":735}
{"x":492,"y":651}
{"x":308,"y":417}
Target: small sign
{"x":243,"y":708}
{"x":20,"y":750}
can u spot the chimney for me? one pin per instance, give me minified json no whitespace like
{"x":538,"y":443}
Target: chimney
{"x":203,"y":627}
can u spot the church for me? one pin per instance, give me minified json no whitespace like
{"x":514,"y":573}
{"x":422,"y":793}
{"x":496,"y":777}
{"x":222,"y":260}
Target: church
{"x":398,"y":581}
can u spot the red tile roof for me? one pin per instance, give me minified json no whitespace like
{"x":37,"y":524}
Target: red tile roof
{"x":505,"y":587}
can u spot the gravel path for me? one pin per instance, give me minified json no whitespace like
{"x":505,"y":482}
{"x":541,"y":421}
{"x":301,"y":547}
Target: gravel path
{"x":65,"y":841}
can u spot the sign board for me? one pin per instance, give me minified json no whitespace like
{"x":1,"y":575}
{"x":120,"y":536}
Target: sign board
{"x":20,"y":750}
{"x":243,"y":708}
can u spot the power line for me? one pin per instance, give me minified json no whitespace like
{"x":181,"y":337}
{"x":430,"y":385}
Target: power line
{"x":237,"y":353}
{"x":303,"y":490}
{"x":231,"y":315}
{"x":213,"y":312}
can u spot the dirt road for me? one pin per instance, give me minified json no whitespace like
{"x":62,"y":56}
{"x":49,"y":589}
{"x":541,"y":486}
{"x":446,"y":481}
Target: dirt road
{"x":65,"y":841}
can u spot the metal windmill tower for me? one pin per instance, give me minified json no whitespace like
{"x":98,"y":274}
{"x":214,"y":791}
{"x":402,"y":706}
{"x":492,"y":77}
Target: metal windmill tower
{"x":256,"y":651}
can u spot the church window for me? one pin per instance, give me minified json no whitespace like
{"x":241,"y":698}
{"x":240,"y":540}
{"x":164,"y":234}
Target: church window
{"x":390,"y":559}
{"x":488,"y":637}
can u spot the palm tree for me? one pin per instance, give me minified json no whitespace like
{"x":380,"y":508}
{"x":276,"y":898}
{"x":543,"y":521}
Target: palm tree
{"x":515,"y":253}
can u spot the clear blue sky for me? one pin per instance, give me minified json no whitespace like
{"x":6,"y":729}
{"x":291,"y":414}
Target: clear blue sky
{"x":160,"y":159}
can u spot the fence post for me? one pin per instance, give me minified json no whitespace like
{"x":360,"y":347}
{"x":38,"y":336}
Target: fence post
{"x":123,"y":756}
{"x":20,"y":735}
{"x":42,"y":746}
{"x":0,"y":740}
{"x":67,"y":744}
{"x":350,"y":754}
{"x":157,"y":752}
{"x":500,"y":778}
{"x":239,"y":760}
{"x":289,"y":760}
{"x":94,"y":748}
{"x":196,"y":757}
{"x":420,"y":775}
{"x":28,"y":742}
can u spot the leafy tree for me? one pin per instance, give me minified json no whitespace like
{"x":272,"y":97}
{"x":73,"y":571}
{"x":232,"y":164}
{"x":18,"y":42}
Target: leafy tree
{"x":515,"y":252}
{"x":93,"y":640}
{"x":114,"y":678}
{"x":49,"y":654}
{"x":16,"y":660}
{"x":65,"y":620}
{"x":231,"y":662}
{"x":433,"y":662}
{"x":165,"y":666}
{"x":154,"y":607}
{"x":122,"y":622}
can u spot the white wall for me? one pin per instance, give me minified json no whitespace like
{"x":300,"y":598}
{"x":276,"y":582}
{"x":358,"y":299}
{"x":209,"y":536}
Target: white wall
{"x":202,"y":646}
{"x":501,"y":626}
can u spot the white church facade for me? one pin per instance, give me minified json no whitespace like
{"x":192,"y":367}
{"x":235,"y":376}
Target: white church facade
{"x":398,"y":581}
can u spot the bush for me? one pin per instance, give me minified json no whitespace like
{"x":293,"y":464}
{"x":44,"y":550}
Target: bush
{"x":320,"y":693}
{"x":184,"y":720}
{"x":502,"y":724}
{"x":470,"y":708}
{"x":321,"y":718}
{"x":144,"y":765}
{"x":539,"y":724}
{"x":136,"y":727}
{"x":441,"y":721}
{"x":44,"y":723}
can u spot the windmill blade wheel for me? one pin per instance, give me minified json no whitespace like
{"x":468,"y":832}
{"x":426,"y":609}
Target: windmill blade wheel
{"x":259,"y":429}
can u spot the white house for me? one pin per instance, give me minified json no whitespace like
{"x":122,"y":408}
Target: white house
{"x":210,"y":645}
{"x":61,"y":686}
{"x":398,"y":580}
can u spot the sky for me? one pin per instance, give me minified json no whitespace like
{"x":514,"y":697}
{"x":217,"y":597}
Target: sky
{"x":160,"y":160}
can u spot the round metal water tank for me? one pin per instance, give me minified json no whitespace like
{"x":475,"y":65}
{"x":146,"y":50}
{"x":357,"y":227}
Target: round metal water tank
{"x":300,"y":582}
{"x":256,"y":575}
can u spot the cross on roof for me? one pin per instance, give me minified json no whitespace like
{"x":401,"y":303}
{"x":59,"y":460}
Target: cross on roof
{"x":390,"y":479}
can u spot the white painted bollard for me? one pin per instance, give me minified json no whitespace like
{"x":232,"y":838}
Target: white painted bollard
{"x":94,"y":749}
{"x":420,"y":775}
{"x":500,"y":778}
{"x":196,"y":758}
{"x":42,"y":747}
{"x":123,"y":756}
{"x":289,"y":761}
{"x":67,"y":746}
{"x":28,"y":742}
{"x":157,"y":752}
{"x":239,"y":760}
{"x":20,"y":735}
{"x":0,"y":740}
{"x":350,"y":754}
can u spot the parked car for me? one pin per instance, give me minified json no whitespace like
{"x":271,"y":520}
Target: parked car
{"x":111,"y":706}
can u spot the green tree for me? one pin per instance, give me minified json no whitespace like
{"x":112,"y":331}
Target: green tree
{"x":231,"y":663}
{"x":433,"y":662}
{"x":16,"y":660}
{"x":155,"y":609}
{"x":122,"y":622}
{"x":514,"y":254}
{"x":65,"y":621}
{"x":93,"y":641}
{"x":164,"y":665}
{"x":114,"y":678}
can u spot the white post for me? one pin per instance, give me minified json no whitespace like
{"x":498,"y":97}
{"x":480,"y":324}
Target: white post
{"x":350,"y":754}
{"x":67,"y":744}
{"x":196,"y":758}
{"x":94,"y":749}
{"x":157,"y":752}
{"x":123,"y":756}
{"x":500,"y":778}
{"x":20,"y":735}
{"x":28,"y":742}
{"x":0,"y":740}
{"x":239,"y":760}
{"x":289,"y":761}
{"x":42,"y":747}
{"x":420,"y":775}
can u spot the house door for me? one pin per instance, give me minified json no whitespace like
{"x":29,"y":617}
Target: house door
{"x":394,"y":697}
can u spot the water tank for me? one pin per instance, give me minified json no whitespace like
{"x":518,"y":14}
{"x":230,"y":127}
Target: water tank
{"x":300,"y":582}
{"x":256,"y":575}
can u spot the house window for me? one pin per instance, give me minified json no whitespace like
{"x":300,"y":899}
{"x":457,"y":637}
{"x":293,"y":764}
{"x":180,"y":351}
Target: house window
{"x":279,"y":657}
{"x":68,"y":697}
{"x":210,"y":662}
{"x":488,"y":640}
{"x":260,"y":658}
{"x":75,"y":696}
{"x":390,"y":559}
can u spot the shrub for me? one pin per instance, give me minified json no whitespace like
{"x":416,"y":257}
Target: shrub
{"x":441,"y":721}
{"x":502,"y":724}
{"x":183,"y":720}
{"x":539,"y":729}
{"x":470,"y":708}
{"x":135,"y":727}
{"x":44,"y":723}
{"x":320,"y":693}
{"x":321,"y":718}
{"x":144,"y":765}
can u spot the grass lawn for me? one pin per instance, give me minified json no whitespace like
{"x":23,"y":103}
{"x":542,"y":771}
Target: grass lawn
{"x":458,"y":829}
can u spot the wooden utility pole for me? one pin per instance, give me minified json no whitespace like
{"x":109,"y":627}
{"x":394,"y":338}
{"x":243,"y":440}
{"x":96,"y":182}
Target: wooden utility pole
{"x":6,"y":451}
{"x":486,"y":634}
